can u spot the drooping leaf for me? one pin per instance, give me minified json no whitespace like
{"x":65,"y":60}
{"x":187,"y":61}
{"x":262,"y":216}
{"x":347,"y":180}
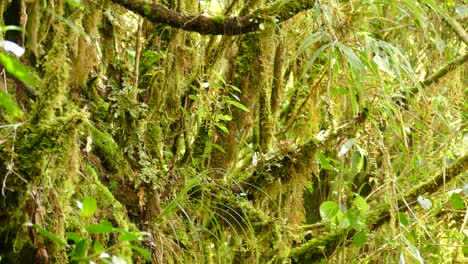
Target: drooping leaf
{"x":238,"y":105}
{"x":48,"y":234}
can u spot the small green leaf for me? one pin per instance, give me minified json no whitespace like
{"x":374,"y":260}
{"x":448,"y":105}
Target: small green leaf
{"x":328,"y":210}
{"x":360,"y":238}
{"x":457,"y":201}
{"x":238,"y":105}
{"x":101,"y":228}
{"x":15,"y":68}
{"x":98,"y":247}
{"x":89,"y":207}
{"x":403,"y":220}
{"x":127,"y":236}
{"x":73,"y":236}
{"x":261,"y":26}
{"x":145,"y":253}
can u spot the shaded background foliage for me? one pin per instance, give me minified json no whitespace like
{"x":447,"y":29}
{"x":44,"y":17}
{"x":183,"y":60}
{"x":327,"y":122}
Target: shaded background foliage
{"x":221,"y":128}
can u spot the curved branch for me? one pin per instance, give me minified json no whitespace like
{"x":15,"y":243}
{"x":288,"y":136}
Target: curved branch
{"x":218,"y":25}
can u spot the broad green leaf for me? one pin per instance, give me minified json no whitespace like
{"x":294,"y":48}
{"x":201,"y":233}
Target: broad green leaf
{"x":360,"y":238}
{"x":15,"y":68}
{"x":7,"y":102}
{"x":89,"y":207}
{"x":101,"y":228}
{"x":238,"y":105}
{"x":457,"y":201}
{"x":328,"y":210}
{"x":145,"y":253}
{"x":48,"y":234}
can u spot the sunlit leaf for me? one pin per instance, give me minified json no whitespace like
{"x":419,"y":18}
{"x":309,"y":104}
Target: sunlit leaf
{"x":328,"y":210}
{"x":15,"y":68}
{"x":98,"y":247}
{"x":89,"y":207}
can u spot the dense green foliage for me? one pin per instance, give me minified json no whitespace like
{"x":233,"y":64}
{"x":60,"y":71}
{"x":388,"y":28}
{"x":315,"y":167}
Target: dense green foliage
{"x":233,"y":131}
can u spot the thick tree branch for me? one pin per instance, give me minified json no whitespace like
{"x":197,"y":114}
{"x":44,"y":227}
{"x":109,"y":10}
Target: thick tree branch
{"x":444,"y":70}
{"x":217,"y":25}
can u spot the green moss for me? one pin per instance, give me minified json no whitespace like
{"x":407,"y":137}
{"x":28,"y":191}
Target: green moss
{"x":218,"y":19}
{"x":147,"y":10}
